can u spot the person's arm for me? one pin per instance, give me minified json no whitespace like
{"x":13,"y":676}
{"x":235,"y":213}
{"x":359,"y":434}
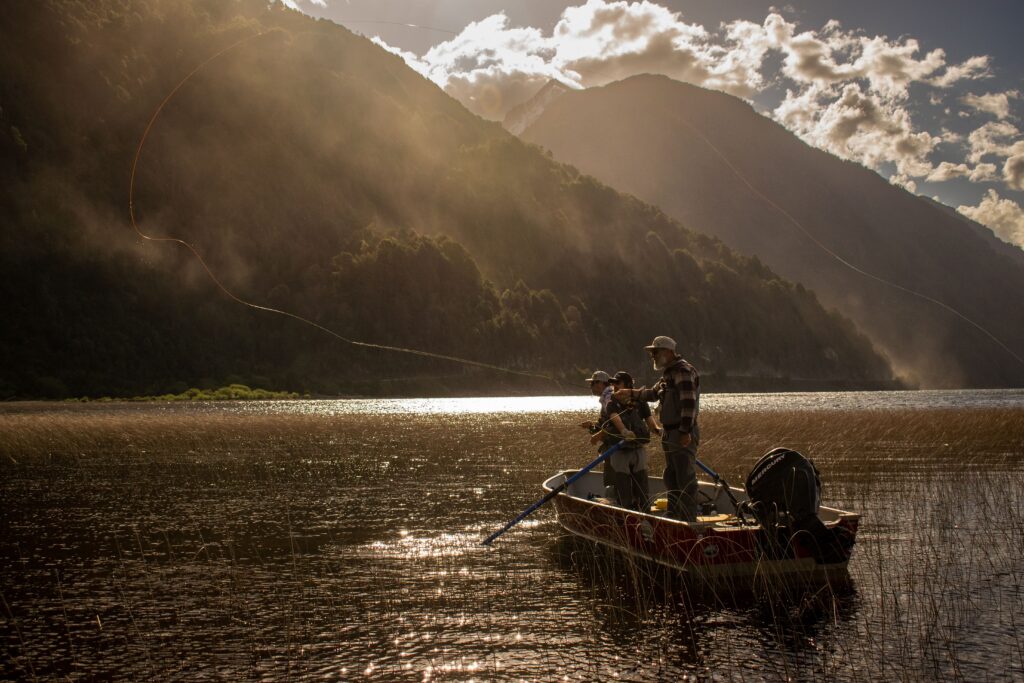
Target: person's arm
{"x":686,"y":387}
{"x":642,"y":394}
{"x":647,"y":395}
{"x":652,"y":424}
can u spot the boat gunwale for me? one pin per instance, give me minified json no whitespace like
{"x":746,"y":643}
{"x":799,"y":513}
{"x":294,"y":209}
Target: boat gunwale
{"x":842,"y":515}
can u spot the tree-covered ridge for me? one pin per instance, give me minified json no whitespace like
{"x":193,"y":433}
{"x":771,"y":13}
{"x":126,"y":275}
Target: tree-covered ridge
{"x":317,"y":174}
{"x":685,"y":149}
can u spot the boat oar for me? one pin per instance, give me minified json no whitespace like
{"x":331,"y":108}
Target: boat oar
{"x":554,"y":492}
{"x":725,"y":486}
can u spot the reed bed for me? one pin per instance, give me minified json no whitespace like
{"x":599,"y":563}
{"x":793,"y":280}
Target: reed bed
{"x":231,"y":543}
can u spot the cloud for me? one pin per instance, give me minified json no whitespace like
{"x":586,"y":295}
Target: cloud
{"x":833,"y":56}
{"x":1004,"y":217}
{"x":992,"y":103}
{"x":297,"y":4}
{"x":991,"y":138}
{"x":1013,"y":169}
{"x":492,"y":66}
{"x":847,"y":92}
{"x":489,"y":66}
{"x":860,"y":126}
{"x":972,"y":69}
{"x":947,"y":170}
{"x":1000,"y":139}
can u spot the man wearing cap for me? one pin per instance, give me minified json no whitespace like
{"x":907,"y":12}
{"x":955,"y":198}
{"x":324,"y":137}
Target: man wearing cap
{"x":600,"y":386}
{"x":678,"y":393}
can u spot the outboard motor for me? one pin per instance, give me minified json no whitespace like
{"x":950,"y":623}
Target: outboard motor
{"x":785,"y":493}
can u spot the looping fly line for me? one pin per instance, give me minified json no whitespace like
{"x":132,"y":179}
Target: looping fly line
{"x":259,"y":307}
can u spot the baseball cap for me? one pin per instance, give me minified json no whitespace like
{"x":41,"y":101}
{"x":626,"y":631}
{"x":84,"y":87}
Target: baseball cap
{"x":662,"y":343}
{"x":599,"y":376}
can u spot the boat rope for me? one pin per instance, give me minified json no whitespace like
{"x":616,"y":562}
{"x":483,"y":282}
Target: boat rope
{"x":807,"y":233}
{"x":259,"y":307}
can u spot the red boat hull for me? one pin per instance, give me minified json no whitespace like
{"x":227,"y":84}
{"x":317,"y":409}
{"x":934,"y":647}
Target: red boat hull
{"x":712,"y":550}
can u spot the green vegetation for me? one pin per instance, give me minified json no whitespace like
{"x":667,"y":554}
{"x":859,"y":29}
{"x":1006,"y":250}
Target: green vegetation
{"x":232,"y":392}
{"x":662,"y":139}
{"x":317,"y":174}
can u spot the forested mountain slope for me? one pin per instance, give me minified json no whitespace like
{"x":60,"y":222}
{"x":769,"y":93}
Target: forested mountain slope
{"x":649,"y":135}
{"x":316,"y":173}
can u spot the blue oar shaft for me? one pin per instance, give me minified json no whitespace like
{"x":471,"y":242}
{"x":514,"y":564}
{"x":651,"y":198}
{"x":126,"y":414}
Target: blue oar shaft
{"x":710,"y":472}
{"x":554,"y":492}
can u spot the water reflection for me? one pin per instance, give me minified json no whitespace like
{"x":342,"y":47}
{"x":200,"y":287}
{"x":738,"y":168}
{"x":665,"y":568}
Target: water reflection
{"x":525,"y":405}
{"x":252,"y":541}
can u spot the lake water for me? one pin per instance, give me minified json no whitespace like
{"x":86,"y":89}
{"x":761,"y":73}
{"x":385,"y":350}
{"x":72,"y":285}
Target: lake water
{"x":340,"y":540}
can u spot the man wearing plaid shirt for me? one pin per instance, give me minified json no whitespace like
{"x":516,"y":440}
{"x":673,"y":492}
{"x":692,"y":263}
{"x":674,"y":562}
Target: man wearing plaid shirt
{"x":678,"y":393}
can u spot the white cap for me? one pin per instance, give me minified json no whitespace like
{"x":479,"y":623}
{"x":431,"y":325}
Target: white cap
{"x":662,"y":343}
{"x":599,"y":376}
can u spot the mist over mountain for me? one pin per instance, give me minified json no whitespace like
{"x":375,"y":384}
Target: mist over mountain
{"x":316,"y":173}
{"x":650,"y":135}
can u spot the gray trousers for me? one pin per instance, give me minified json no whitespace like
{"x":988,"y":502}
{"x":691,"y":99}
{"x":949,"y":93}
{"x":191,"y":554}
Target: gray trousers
{"x":625,"y":479}
{"x":681,"y":474}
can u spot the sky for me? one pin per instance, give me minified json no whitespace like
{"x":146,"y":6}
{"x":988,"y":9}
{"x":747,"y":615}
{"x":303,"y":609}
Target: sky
{"x":929,"y":93}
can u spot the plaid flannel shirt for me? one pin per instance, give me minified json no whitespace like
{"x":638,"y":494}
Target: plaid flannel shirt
{"x":683,"y":380}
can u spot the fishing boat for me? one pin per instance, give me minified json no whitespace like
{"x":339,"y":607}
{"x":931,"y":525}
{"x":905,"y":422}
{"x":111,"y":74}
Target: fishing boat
{"x":730,"y":539}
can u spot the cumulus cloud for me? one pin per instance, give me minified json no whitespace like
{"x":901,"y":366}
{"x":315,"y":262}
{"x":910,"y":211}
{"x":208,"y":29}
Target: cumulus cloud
{"x":992,"y":103}
{"x":1013,"y":169}
{"x":296,"y":4}
{"x":1002,"y":140}
{"x":947,"y":170}
{"x":846,"y":92}
{"x":861,"y":126}
{"x":1004,"y":217}
{"x":604,"y":40}
{"x":492,"y":66}
{"x":991,"y":139}
{"x":972,"y":69}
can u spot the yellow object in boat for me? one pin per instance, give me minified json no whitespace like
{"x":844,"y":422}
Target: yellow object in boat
{"x":660,"y":505}
{"x":713,"y":519}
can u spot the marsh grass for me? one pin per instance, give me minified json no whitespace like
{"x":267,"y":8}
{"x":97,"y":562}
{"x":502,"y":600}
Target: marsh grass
{"x":138,"y":541}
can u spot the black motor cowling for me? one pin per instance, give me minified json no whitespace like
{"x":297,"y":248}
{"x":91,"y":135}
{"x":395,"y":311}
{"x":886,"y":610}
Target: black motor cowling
{"x":785,"y":493}
{"x":786,"y":481}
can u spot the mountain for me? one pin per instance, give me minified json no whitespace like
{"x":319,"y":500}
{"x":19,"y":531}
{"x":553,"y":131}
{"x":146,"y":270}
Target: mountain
{"x":522,"y":116}
{"x":691,"y":152}
{"x":317,"y":174}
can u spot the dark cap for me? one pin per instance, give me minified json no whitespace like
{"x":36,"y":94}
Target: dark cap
{"x":624,"y":377}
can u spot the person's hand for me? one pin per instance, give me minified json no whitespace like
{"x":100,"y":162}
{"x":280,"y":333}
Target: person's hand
{"x":622,"y":394}
{"x":596,"y":439}
{"x":587,"y":424}
{"x":685,"y":440}
{"x":628,"y":435}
